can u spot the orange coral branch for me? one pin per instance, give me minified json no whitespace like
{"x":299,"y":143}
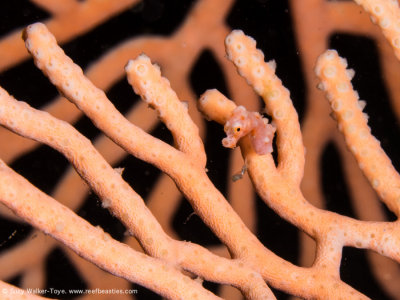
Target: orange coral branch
{"x":92,"y":243}
{"x":123,"y":202}
{"x":24,"y":120}
{"x":278,"y":186}
{"x":156,"y":91}
{"x":386,"y":14}
{"x":87,"y":15}
{"x":250,"y":63}
{"x":335,"y":80}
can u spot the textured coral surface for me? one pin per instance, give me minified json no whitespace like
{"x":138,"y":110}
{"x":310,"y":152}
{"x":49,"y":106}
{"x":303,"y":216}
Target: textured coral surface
{"x":102,"y":39}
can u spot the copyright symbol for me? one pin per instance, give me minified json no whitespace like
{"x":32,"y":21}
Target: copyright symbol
{"x":5,"y":291}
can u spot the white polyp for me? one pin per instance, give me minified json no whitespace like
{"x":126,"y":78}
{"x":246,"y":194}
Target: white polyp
{"x":241,"y":108}
{"x":342,"y":87}
{"x":343,"y":62}
{"x":38,"y":64}
{"x":272,"y":64}
{"x":258,"y":88}
{"x":72,"y":86}
{"x":366,"y":117}
{"x":396,"y":42}
{"x":10,"y":123}
{"x":51,"y":65}
{"x":364,"y":134}
{"x":351,"y":128}
{"x":77,"y":69}
{"x":384,"y":23}
{"x":145,"y":84}
{"x":252,"y":41}
{"x":337,"y":105}
{"x":78,"y":95}
{"x":204,"y":99}
{"x":28,"y":45}
{"x":157,"y":68}
{"x":53,"y":49}
{"x":11,"y":192}
{"x":60,"y":227}
{"x":375,"y":183}
{"x":158,"y":101}
{"x":378,"y":10}
{"x":321,"y":86}
{"x":347,"y":115}
{"x":330,"y":71}
{"x":165,"y":81}
{"x":260,"y":54}
{"x":256,"y":58}
{"x":143,"y":57}
{"x":361,"y":104}
{"x":228,"y":40}
{"x":38,"y":54}
{"x":239,"y":47}
{"x":185,"y":105}
{"x":330,"y":54}
{"x":286,"y":90}
{"x":258,"y":71}
{"x":329,"y":96}
{"x":274,"y":94}
{"x":65,"y":86}
{"x":240,"y":61}
{"x":350,"y":73}
{"x":236,"y":32}
{"x":317,"y":69}
{"x":141,"y":69}
{"x":278,"y":114}
{"x":67,"y":70}
{"x":98,"y":106}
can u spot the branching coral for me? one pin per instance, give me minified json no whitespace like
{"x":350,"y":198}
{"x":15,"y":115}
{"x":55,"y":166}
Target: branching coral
{"x":252,"y":265}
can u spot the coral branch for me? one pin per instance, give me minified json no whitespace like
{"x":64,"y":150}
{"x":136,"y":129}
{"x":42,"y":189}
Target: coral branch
{"x":345,"y":103}
{"x":386,"y":14}
{"x":87,"y":15}
{"x":289,"y":203}
{"x":105,"y":182}
{"x":208,"y":202}
{"x":250,"y":63}
{"x":176,"y":269}
{"x":93,"y":243}
{"x":68,"y":77}
{"x":146,"y":80}
{"x":122,"y":201}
